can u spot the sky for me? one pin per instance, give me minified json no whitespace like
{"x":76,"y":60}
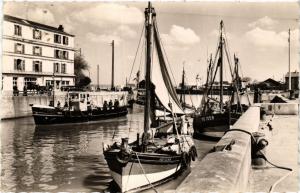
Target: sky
{"x":257,"y":32}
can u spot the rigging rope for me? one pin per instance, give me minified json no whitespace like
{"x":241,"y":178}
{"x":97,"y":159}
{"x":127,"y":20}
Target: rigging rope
{"x":136,"y":51}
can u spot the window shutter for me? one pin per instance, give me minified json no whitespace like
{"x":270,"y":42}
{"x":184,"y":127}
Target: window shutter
{"x":23,"y":48}
{"x":33,"y":66}
{"x":20,"y":30}
{"x":41,"y":65}
{"x":40,"y":51}
{"x":16,"y":47}
{"x":23,"y":65}
{"x":15,"y":64}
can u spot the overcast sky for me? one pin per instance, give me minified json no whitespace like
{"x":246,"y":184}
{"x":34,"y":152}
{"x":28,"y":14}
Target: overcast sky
{"x":256,"y":32}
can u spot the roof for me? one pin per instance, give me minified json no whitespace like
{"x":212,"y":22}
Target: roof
{"x":293,"y":74}
{"x":273,"y":82}
{"x":35,"y":24}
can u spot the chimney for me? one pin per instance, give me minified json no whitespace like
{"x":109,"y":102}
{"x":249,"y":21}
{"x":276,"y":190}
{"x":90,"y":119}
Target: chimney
{"x":61,"y":27}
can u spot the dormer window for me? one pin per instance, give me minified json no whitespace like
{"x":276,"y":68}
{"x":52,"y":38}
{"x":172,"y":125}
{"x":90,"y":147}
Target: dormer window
{"x":18,"y":30}
{"x":37,"y":34}
{"x":57,"y":38}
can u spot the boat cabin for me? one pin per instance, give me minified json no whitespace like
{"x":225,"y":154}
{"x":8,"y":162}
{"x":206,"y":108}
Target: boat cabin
{"x":78,"y":101}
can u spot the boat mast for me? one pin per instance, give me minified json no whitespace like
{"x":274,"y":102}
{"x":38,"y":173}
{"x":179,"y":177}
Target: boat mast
{"x":113,"y":65}
{"x":182,"y":96}
{"x":221,"y":66}
{"x":149,"y":25}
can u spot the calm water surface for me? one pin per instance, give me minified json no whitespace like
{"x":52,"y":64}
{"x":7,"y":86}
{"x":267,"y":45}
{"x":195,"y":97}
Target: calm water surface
{"x":64,"y":157}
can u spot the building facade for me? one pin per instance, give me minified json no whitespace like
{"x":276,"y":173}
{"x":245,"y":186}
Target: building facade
{"x":294,"y":80}
{"x":36,"y":54}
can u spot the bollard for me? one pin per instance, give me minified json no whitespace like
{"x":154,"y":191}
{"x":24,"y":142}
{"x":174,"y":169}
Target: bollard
{"x":263,"y":113}
{"x":258,"y":150}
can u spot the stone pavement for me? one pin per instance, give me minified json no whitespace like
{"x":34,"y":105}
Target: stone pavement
{"x":283,"y":151}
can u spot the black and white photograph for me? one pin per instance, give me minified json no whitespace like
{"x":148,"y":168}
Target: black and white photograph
{"x":149,"y":96}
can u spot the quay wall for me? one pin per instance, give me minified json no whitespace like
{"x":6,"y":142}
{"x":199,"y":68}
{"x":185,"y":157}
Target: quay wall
{"x":226,"y":170}
{"x":20,"y":106}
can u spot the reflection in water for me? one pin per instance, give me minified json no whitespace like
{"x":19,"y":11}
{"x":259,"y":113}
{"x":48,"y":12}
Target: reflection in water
{"x":64,"y":157}
{"x":60,"y":157}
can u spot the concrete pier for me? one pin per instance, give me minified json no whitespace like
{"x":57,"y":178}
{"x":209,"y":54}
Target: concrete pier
{"x":228,"y":168}
{"x":282,"y":151}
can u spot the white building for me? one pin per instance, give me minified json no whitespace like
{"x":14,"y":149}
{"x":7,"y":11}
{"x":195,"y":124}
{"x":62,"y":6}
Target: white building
{"x":35,"y":53}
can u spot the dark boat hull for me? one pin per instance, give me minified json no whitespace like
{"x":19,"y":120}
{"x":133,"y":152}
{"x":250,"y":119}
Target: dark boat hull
{"x":57,"y":116}
{"x":143,"y":170}
{"x":214,"y":125}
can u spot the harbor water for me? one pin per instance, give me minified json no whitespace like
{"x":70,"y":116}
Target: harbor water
{"x":66,"y":157}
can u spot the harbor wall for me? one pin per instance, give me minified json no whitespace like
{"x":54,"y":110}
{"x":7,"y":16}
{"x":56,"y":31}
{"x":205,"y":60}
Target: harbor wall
{"x":226,"y":170}
{"x":20,"y":106}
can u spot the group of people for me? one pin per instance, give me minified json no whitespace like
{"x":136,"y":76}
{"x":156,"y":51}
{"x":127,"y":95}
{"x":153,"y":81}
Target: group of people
{"x":110,"y":104}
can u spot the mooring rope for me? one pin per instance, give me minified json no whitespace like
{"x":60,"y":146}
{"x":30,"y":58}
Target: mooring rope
{"x":145,"y":173}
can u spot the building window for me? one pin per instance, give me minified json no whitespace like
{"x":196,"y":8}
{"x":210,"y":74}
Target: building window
{"x":37,"y":66}
{"x":37,"y":34}
{"x":19,"y":65}
{"x":29,"y":82}
{"x":58,"y":54}
{"x":18,"y":30}
{"x":63,"y":68}
{"x":15,"y":82}
{"x":19,"y":48}
{"x":57,"y":38}
{"x":65,"y":54}
{"x":67,"y":83}
{"x":57,"y":83}
{"x":56,"y":67}
{"x":37,"y":50}
{"x":65,"y":40}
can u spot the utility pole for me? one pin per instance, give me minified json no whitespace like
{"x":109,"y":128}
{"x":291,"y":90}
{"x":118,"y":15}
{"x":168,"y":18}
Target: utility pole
{"x":97,"y":76}
{"x":113,"y":65}
{"x":290,"y":79}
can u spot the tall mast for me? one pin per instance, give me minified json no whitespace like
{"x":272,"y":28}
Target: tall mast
{"x":113,"y":65}
{"x":182,"y":96}
{"x":149,"y":25}
{"x":290,"y":79}
{"x":221,"y":66}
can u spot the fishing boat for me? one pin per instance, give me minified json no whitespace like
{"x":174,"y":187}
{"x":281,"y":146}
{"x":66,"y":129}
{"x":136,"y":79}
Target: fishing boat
{"x":149,"y":160}
{"x":188,"y":109}
{"x":215,"y":116}
{"x":78,"y":107}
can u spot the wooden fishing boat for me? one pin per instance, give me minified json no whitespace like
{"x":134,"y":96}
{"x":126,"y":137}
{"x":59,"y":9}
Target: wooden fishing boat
{"x":215,"y":117}
{"x":78,"y":108}
{"x":149,"y":160}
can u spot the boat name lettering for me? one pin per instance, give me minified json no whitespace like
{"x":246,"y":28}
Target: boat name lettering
{"x":208,"y":118}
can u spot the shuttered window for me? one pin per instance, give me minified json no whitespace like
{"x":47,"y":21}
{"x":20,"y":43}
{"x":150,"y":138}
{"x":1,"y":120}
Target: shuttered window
{"x":37,"y":66}
{"x":19,"y":64}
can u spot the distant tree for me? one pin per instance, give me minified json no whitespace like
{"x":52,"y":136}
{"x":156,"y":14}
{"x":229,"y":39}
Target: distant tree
{"x":246,"y":79}
{"x":80,"y":64}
